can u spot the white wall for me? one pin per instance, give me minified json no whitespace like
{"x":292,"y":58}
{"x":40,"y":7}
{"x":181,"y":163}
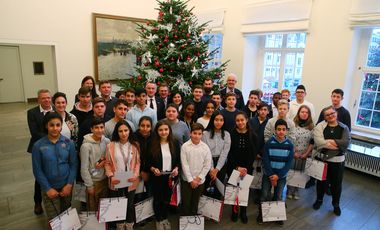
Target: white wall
{"x":330,"y":47}
{"x":67,"y":25}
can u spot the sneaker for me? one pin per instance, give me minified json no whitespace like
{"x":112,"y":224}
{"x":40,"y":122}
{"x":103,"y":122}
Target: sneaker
{"x":281,"y":222}
{"x":234,"y":216}
{"x":259,"y":219}
{"x":120,"y":226}
{"x":38,"y":209}
{"x":296,"y":195}
{"x":166,"y":224}
{"x":289,"y":196}
{"x":337,"y":211}
{"x":317,"y":204}
{"x":159,"y":225}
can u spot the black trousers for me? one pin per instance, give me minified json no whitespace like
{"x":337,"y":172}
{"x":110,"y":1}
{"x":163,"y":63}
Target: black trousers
{"x":190,"y":198}
{"x":123,"y":192}
{"x":37,"y":193}
{"x":161,"y":196}
{"x":334,"y":177}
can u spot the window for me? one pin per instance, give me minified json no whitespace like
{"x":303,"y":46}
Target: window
{"x":214,"y":48}
{"x":368,"y":113}
{"x":283,"y":56}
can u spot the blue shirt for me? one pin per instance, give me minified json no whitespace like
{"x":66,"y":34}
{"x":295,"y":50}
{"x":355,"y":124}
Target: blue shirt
{"x":277,"y":157}
{"x":136,"y":113}
{"x":54,"y":165}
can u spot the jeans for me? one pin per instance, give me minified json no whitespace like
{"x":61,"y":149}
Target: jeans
{"x":267,"y":186}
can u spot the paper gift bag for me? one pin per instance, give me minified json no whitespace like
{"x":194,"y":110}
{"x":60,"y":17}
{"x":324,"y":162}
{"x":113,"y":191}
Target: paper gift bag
{"x":273,"y":211}
{"x":144,"y":209}
{"x":79,"y":192}
{"x":257,"y":175}
{"x":175,"y":199}
{"x":210,"y":207}
{"x":89,"y":221}
{"x":191,"y":223}
{"x":112,"y":209}
{"x":297,"y":178}
{"x":316,"y":169}
{"x":236,"y":196}
{"x":67,"y":220}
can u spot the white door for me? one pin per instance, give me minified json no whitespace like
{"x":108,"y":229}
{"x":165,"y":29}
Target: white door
{"x":11,"y":89}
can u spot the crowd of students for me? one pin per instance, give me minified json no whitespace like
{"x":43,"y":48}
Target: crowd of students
{"x":161,"y":139}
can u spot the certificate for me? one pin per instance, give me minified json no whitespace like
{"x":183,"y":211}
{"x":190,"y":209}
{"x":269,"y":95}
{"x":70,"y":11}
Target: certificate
{"x":112,"y":209}
{"x":242,"y":182}
{"x":123,"y":178}
{"x":144,"y":209}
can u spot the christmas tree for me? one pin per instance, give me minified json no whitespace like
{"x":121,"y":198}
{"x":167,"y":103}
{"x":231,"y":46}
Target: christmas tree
{"x":172,"y":50}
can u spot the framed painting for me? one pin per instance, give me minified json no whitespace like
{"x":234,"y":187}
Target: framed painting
{"x":113,"y":36}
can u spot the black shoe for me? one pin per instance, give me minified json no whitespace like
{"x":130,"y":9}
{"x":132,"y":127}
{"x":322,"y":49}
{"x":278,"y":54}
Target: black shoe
{"x":317,"y":204}
{"x":244,"y":218}
{"x":337,"y":211}
{"x":281,"y":222}
{"x":310,"y":183}
{"x":38,"y":209}
{"x":259,"y":219}
{"x":234,"y":216}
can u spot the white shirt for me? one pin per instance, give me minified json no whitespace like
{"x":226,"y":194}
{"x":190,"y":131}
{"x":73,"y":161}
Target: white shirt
{"x":153,"y":101}
{"x":166,"y":158}
{"x":123,"y":155}
{"x":195,"y":160}
{"x":65,"y":130}
{"x":203,"y":122}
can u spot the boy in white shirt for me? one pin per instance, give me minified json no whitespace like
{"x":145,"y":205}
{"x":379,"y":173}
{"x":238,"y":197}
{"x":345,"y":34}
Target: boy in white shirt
{"x":196,"y":163}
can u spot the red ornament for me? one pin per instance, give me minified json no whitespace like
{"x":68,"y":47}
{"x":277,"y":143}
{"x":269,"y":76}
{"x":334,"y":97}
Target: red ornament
{"x":204,"y":62}
{"x":175,"y":36}
{"x":161,"y":14}
{"x":188,"y":35}
{"x":161,"y":70}
{"x":147,"y":23}
{"x":188,"y":58}
{"x":171,"y":71}
{"x":166,"y":40}
{"x":173,"y":59}
{"x":139,"y":78}
{"x":198,"y":54}
{"x":157,"y":63}
{"x":166,"y":37}
{"x":146,"y":63}
{"x":158,"y":83}
{"x":183,"y":46}
{"x":190,"y":83}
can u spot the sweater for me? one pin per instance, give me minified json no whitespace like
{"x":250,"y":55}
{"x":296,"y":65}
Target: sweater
{"x":269,"y":129}
{"x":54,"y":164}
{"x":219,"y":147}
{"x":343,"y":116}
{"x":180,"y":131}
{"x":90,"y":152}
{"x":278,"y":157}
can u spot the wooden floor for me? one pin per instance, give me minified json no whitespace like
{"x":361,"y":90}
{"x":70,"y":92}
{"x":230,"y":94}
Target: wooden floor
{"x":360,"y":201}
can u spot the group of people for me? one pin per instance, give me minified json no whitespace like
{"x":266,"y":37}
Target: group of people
{"x":164,"y":140}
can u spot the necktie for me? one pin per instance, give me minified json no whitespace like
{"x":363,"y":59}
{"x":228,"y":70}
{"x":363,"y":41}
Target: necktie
{"x":151,"y":103}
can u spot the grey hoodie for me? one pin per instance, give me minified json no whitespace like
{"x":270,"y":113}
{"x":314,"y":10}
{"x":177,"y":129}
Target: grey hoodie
{"x":90,"y":153}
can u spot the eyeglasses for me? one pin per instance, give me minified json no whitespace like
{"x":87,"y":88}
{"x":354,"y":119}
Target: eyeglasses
{"x":300,"y":92}
{"x":330,"y":114}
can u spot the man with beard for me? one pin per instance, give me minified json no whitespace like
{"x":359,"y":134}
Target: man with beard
{"x":207,"y":88}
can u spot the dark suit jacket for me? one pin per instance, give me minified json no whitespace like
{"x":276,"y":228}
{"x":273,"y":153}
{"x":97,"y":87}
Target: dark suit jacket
{"x":239,"y":98}
{"x":156,"y":162}
{"x":36,"y":130}
{"x":160,"y":107}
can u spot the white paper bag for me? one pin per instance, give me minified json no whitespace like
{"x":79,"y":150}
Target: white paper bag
{"x":89,"y":221}
{"x":316,"y":169}
{"x":273,"y":211}
{"x":79,"y":192}
{"x":191,"y":223}
{"x":67,"y":220}
{"x":232,"y":192}
{"x":112,"y":209}
{"x":257,"y":175}
{"x":140,"y":187}
{"x":210,"y":207}
{"x":144,"y":209}
{"x":297,"y":178}
{"x":236,"y":180}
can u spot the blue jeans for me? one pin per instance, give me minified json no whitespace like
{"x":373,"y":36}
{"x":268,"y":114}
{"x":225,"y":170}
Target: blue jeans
{"x":267,"y":186}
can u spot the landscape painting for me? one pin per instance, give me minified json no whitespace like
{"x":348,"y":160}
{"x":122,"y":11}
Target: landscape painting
{"x":113,"y":36}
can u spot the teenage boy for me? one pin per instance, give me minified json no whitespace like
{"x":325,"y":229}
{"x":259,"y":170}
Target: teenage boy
{"x":196,"y":163}
{"x":198,"y":103}
{"x":343,"y":113}
{"x":277,"y":159}
{"x":105,"y":89}
{"x":141,"y":109}
{"x":300,"y":100}
{"x":283,"y":108}
{"x":92,"y":156}
{"x":119,"y":109}
{"x":273,"y":112}
{"x":217,"y":98}
{"x":230,"y":112}
{"x":35,"y":116}
{"x":83,"y":109}
{"x":130,"y":97}
{"x":285,"y":94}
{"x":258,"y":124}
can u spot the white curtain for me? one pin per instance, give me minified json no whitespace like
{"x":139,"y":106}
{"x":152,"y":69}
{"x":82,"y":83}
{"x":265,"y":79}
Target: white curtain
{"x":276,"y":16}
{"x":365,"y":13}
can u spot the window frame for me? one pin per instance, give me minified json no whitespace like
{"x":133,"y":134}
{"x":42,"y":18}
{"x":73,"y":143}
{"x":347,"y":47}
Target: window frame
{"x":357,"y":83}
{"x":284,"y":51}
{"x":214,"y":60}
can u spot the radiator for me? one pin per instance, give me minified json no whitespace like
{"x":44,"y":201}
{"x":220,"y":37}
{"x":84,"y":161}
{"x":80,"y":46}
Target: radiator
{"x":363,"y":157}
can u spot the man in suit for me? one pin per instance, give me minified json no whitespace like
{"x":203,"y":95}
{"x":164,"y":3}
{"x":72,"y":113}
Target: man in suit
{"x":153,"y":102}
{"x":231,"y":82}
{"x":164,"y":92}
{"x":35,"y":117}
{"x":105,"y":89}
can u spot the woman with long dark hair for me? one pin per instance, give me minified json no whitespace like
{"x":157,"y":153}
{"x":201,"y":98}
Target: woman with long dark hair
{"x":163,"y":162}
{"x":88,"y":81}
{"x":123,"y":154}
